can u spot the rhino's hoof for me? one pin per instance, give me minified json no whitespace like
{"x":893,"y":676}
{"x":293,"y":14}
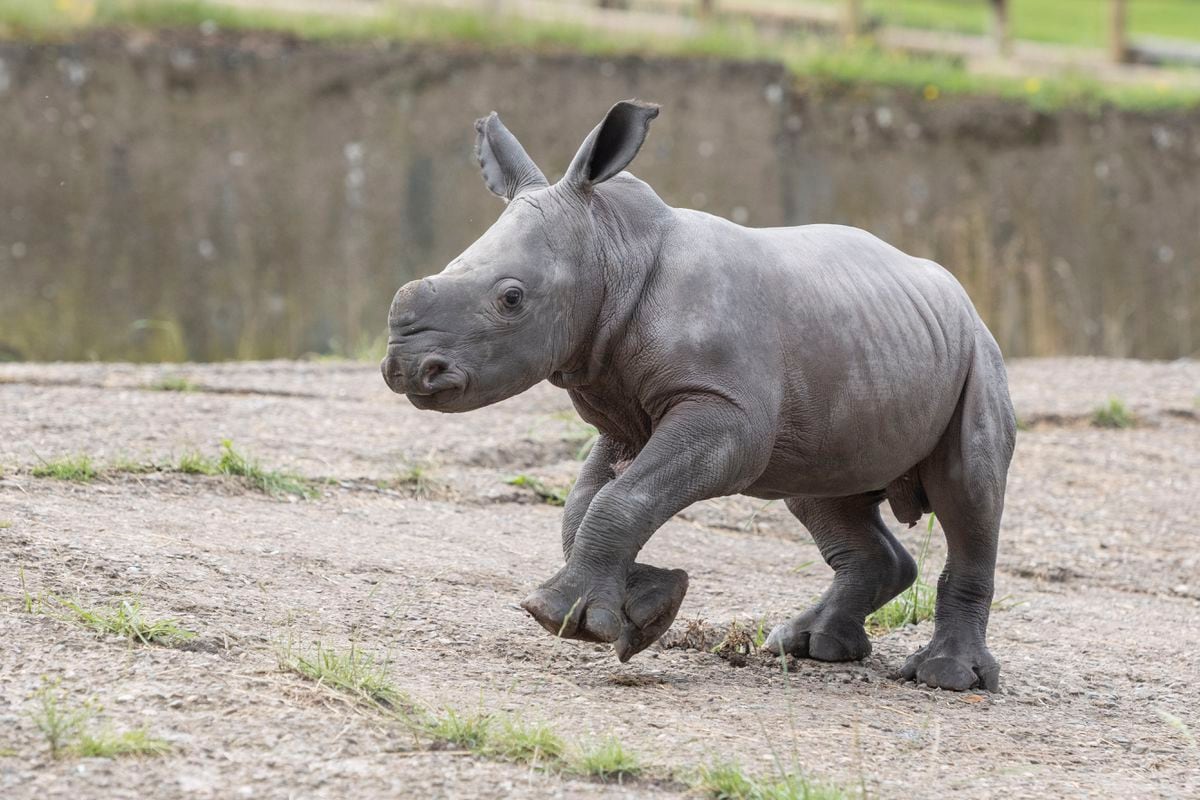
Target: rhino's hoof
{"x":597,"y":611}
{"x":652,"y":599}
{"x":574,"y":608}
{"x":820,"y":634}
{"x":958,"y":669}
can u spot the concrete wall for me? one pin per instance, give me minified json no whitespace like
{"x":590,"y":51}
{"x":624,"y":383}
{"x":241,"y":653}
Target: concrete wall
{"x":178,"y":196}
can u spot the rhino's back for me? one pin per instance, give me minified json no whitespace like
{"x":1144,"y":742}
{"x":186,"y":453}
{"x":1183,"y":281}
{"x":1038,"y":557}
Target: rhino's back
{"x":862,"y":349}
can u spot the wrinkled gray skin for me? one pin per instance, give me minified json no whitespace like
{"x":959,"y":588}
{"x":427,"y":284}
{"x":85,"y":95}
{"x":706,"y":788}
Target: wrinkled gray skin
{"x":813,"y":364}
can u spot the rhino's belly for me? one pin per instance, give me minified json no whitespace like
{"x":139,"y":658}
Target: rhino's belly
{"x":791,"y":474}
{"x":857,"y":444}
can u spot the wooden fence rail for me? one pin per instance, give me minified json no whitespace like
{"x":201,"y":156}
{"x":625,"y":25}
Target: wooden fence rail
{"x":854,"y":21}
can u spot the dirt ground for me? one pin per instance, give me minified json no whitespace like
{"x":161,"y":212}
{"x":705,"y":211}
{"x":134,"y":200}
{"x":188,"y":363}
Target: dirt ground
{"x":1098,"y":633}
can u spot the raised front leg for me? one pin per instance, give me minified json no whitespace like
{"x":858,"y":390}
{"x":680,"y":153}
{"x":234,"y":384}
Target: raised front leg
{"x":699,"y":449}
{"x":598,"y":469}
{"x":653,"y":595}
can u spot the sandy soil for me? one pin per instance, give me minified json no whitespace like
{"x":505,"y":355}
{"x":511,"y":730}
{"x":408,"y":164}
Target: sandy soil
{"x":1098,"y":636}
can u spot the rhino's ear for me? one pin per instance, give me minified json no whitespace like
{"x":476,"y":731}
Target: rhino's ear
{"x":508,"y":170}
{"x":612,"y":145}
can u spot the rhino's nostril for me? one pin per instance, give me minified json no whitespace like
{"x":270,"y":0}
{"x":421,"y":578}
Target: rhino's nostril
{"x":432,"y":373}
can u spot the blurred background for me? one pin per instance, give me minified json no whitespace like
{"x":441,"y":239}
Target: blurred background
{"x":242,"y":179}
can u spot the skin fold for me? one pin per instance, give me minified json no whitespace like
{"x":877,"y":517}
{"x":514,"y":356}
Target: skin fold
{"x":814,"y":364}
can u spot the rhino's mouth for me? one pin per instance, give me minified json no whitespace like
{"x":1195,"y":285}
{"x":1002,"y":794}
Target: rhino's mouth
{"x":437,"y":400}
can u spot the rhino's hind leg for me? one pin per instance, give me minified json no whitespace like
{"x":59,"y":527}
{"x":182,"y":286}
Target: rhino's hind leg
{"x":964,"y":479}
{"x":870,"y":568}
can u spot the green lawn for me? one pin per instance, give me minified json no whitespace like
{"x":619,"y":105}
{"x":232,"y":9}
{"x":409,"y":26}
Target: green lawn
{"x":808,"y":61}
{"x":1083,"y":22}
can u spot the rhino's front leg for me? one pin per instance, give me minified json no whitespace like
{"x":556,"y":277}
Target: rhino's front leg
{"x":700,"y":449}
{"x":598,"y":470}
{"x":652,"y":595}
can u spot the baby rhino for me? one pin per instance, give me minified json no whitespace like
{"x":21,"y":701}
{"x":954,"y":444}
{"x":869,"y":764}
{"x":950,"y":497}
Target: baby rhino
{"x":815,"y":364}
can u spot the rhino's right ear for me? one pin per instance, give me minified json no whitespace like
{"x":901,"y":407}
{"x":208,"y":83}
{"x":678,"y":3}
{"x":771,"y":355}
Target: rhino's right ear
{"x":508,"y":170}
{"x":610,"y":147}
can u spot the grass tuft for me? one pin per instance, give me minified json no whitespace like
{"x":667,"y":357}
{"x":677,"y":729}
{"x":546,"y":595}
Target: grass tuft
{"x":69,"y":468}
{"x":525,"y":742}
{"x":502,"y":737}
{"x":727,"y":781}
{"x":124,"y":619}
{"x":269,"y":482}
{"x":5,"y":524}
{"x":111,"y":744}
{"x":59,"y":722}
{"x":193,"y":463}
{"x":607,"y":760}
{"x":1113,"y":414}
{"x":237,"y":465}
{"x":554,"y":495}
{"x":173,"y":383}
{"x":129,"y":466}
{"x":65,"y":727}
{"x":421,"y":481}
{"x":468,"y":731}
{"x":351,"y":672}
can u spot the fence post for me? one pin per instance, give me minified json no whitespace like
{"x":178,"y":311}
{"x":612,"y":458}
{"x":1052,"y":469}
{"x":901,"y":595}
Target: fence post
{"x":1001,"y":35}
{"x":852,"y":19}
{"x":706,"y":8}
{"x":1118,"y":43}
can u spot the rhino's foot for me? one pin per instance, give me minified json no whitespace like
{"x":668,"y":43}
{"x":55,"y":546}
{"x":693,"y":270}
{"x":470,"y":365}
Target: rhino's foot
{"x":944,"y":663}
{"x":632,"y":616}
{"x":821,"y":633}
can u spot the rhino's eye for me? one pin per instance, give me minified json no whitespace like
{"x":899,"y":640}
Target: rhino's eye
{"x":512,"y":297}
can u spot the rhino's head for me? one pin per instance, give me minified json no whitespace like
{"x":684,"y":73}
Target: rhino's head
{"x":521,"y":301}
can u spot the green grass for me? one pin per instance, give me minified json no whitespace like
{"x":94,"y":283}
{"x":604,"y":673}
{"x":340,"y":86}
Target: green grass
{"x":173,"y":383}
{"x":421,"y":481}
{"x":269,"y":482}
{"x":125,"y":619}
{"x":132,"y":467}
{"x":5,"y":524}
{"x":512,"y":739}
{"x":726,"y":780}
{"x":915,"y":604}
{"x":1180,"y":727}
{"x":933,"y":77}
{"x":1113,"y":414}
{"x":112,"y":744}
{"x":60,"y":722}
{"x":66,"y":728}
{"x":194,"y":463}
{"x":350,"y":672}
{"x":467,"y":731}
{"x":69,"y":468}
{"x":582,"y":434}
{"x":234,"y":464}
{"x":607,"y":760}
{"x":502,"y":737}
{"x":1077,"y":22}
{"x":553,"y":495}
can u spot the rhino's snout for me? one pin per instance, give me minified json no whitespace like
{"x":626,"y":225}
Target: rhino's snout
{"x":422,"y":376}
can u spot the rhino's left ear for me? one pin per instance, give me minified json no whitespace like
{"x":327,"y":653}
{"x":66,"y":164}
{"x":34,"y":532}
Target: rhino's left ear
{"x":612,"y":145}
{"x":508,"y":170}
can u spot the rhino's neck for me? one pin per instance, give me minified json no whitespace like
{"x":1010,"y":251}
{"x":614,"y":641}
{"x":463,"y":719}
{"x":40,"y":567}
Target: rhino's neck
{"x":630,"y":223}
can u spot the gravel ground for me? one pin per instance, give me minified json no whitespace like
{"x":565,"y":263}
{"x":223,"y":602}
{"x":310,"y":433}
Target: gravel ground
{"x":1097,"y":632}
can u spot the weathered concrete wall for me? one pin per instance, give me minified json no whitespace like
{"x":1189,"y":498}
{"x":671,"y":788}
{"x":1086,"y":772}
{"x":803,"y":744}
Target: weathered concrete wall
{"x":208,"y":198}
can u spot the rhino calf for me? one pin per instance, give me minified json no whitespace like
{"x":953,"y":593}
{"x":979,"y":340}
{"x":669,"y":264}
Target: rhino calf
{"x":813,"y":364}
